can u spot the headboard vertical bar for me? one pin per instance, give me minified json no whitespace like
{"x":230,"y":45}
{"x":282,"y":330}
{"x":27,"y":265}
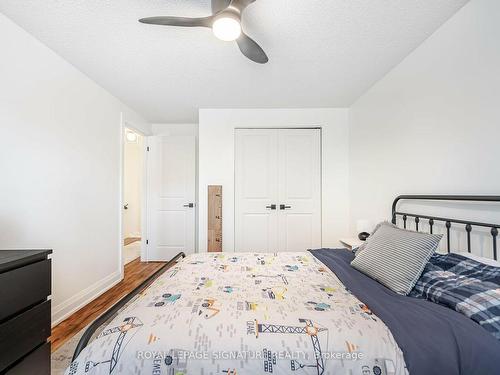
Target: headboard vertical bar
{"x":494,"y":233}
{"x":417,"y":220}
{"x":404,"y":221}
{"x":448,"y":226}
{"x":431,"y":224}
{"x":468,"y":229}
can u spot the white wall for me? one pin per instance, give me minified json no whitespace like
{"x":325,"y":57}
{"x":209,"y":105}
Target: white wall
{"x":432,"y":125}
{"x":60,"y":167}
{"x":216,"y":162}
{"x":175,"y":129}
{"x":133,"y":170}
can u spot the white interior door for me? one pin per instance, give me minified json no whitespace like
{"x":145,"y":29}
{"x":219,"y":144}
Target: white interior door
{"x":277,"y":189}
{"x":171,"y":196}
{"x":256,"y":190}
{"x":299,"y":183}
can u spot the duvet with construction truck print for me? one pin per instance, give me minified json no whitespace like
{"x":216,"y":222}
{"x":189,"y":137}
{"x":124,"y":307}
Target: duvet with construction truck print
{"x":244,"y":313}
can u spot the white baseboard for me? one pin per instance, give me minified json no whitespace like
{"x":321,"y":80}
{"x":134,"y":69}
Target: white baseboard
{"x":73,"y":304}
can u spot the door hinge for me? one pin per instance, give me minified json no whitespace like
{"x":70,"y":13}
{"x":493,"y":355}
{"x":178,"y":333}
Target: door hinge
{"x":147,"y":148}
{"x":147,"y":242}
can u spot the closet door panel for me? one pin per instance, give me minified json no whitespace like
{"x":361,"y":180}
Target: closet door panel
{"x":299,"y":189}
{"x":258,"y":232}
{"x":256,"y":188}
{"x":297,"y":232}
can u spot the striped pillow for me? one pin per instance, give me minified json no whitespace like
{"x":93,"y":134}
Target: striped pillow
{"x":361,"y":247}
{"x":396,"y":257}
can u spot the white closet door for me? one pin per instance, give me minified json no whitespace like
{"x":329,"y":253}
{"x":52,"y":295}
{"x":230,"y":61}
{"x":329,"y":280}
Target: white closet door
{"x":256,"y":190}
{"x":299,"y":184}
{"x":171,"y":196}
{"x":279,"y":167}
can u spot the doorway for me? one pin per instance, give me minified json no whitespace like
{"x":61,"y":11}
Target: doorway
{"x":133,"y":172}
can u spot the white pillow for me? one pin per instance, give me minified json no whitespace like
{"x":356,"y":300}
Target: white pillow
{"x":480,"y":259}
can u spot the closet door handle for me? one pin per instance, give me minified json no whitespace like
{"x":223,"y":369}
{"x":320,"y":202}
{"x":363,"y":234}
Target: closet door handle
{"x":190,"y":205}
{"x":271,"y":207}
{"x":283,"y":207}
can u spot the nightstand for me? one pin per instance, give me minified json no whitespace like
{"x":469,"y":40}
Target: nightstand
{"x":25,"y":287}
{"x":351,"y":242}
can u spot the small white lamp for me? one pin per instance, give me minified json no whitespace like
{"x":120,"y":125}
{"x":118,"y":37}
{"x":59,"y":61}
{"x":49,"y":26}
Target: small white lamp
{"x":364,"y":228}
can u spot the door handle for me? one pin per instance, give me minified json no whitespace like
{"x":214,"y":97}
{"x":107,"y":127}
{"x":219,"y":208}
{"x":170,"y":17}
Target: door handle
{"x":190,"y":205}
{"x":271,"y":207}
{"x":125,"y":207}
{"x":283,"y":207}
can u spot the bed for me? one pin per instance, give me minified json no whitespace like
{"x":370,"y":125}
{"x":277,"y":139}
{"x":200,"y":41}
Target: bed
{"x":306,"y":313}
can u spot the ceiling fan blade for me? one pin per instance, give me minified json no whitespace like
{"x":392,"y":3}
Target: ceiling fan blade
{"x":251,"y":49}
{"x":218,"y":5}
{"x":241,"y":4}
{"x":178,"y":21}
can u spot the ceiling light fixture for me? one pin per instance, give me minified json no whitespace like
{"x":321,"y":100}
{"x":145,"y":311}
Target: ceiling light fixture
{"x":131,"y":137}
{"x":227,"y":28}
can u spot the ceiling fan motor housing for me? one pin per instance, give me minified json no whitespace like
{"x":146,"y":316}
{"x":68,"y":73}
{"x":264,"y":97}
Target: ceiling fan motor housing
{"x":229,"y":12}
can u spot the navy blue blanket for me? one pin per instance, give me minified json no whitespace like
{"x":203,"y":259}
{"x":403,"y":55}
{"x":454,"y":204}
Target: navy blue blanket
{"x":434,"y":339}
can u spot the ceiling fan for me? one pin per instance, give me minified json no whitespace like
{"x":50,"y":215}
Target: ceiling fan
{"x":225,"y":23}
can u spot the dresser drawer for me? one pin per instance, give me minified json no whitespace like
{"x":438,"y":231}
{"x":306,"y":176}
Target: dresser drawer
{"x":23,"y":333}
{"x":23,"y":287}
{"x":35,"y":363}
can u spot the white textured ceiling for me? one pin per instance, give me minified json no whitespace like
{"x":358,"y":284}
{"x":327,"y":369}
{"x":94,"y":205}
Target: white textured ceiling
{"x":323,"y":53}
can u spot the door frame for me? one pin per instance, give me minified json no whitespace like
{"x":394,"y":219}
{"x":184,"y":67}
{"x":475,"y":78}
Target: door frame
{"x":279,"y":128}
{"x":125,"y":124}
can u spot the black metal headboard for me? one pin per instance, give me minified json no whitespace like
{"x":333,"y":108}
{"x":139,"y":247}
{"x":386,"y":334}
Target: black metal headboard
{"x":447,"y":221}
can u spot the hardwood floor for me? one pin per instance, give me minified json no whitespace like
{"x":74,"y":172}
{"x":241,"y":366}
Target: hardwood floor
{"x":129,"y":240}
{"x":135,"y":273}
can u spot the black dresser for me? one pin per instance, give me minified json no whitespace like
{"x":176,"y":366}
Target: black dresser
{"x":25,"y":285}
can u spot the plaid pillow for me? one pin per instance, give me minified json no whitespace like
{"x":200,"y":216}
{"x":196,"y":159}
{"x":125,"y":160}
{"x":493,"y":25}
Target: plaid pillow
{"x":465,"y":285}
